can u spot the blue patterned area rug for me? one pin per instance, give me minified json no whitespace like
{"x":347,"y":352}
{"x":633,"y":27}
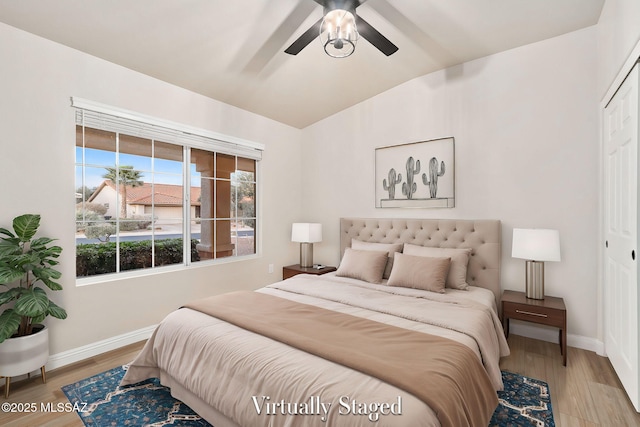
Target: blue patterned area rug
{"x":524,"y":402}
{"x":144,"y":404}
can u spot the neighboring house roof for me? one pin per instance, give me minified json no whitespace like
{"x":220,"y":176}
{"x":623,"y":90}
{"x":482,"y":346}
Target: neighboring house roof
{"x":160,"y":194}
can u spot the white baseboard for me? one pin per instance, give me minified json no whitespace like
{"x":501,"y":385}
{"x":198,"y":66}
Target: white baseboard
{"x":64,"y":358}
{"x":551,"y":335}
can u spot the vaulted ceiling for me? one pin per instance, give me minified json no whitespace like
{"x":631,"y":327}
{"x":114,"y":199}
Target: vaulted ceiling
{"x":233,"y":51}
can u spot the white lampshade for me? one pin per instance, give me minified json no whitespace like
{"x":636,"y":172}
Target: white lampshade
{"x":536,"y":244}
{"x":305,"y":232}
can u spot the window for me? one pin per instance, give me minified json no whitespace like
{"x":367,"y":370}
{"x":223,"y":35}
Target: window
{"x":150,"y":195}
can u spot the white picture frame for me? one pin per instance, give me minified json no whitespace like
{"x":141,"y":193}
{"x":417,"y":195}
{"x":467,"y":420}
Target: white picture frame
{"x":416,"y":175}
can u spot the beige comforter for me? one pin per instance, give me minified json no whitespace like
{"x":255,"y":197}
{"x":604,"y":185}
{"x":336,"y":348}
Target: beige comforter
{"x":208,"y":358}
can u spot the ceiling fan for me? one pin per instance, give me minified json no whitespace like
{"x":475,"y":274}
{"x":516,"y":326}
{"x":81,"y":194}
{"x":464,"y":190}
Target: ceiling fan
{"x":339,"y":30}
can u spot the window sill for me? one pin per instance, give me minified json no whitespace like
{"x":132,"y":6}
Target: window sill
{"x":113,"y":277}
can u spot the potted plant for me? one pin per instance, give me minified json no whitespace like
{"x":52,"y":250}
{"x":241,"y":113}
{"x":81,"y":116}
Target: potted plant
{"x":25,"y":263}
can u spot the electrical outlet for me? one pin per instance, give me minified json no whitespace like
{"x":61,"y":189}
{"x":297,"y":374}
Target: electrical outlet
{"x":270,"y":268}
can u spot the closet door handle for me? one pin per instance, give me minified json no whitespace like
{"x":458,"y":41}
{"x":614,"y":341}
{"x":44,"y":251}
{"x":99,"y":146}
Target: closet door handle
{"x":606,"y":243}
{"x":633,"y":255}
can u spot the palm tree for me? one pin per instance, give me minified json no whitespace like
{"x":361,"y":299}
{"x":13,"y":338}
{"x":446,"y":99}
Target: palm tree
{"x":127,"y":177}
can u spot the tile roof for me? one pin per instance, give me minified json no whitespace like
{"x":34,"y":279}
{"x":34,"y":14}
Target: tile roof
{"x":161,"y":194}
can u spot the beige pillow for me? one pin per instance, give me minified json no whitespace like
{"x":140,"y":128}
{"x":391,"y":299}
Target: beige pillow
{"x":363,"y":265}
{"x":457,"y":278}
{"x":419,"y":272}
{"x":391,"y":248}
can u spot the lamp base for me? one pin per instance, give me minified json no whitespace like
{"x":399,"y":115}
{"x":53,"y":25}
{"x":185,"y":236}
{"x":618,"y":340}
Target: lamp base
{"x":306,"y":255}
{"x":535,"y":279}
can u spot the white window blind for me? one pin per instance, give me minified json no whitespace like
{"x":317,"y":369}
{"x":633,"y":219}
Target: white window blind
{"x":112,"y":119}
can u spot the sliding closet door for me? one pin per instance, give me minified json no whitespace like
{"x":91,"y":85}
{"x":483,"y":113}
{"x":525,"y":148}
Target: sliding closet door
{"x":621,"y":234}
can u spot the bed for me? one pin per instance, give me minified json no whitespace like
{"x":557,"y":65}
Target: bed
{"x":236,"y":374}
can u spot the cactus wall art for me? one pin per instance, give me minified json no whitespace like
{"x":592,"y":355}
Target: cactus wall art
{"x":413,"y":168}
{"x":432,"y":180}
{"x":393,"y":181}
{"x":432,"y":187}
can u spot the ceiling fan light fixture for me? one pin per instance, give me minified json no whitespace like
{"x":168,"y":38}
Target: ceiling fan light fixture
{"x":338,"y":33}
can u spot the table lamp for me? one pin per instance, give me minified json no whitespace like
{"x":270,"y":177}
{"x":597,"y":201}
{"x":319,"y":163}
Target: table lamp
{"x":536,"y":245}
{"x":307,"y":234}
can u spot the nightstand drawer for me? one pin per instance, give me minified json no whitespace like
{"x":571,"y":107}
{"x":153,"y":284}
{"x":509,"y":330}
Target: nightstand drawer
{"x":541,"y":315}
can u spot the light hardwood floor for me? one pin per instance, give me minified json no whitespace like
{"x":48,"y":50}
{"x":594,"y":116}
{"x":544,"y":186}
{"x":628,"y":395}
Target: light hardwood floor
{"x":33,"y":391}
{"x":585,"y":393}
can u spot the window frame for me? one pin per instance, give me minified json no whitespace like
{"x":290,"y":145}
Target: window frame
{"x":188,"y":138}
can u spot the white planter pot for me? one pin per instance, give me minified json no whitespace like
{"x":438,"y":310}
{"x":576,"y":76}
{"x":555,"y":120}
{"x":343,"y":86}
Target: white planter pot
{"x":22,"y":355}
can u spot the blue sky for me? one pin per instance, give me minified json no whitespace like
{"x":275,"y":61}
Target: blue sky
{"x":164,"y":171}
{"x":160,"y":171}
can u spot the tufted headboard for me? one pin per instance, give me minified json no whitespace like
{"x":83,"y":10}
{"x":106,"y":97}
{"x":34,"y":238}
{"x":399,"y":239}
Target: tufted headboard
{"x":482,"y":236}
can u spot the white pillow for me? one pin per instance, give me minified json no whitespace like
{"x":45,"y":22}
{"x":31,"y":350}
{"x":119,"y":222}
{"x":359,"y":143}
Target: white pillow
{"x":457,"y":278}
{"x":420,"y":272}
{"x":391,"y":248}
{"x":363,"y":265}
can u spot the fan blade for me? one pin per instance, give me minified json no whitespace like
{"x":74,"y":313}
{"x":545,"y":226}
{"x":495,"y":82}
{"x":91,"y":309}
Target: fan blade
{"x":374,"y":37}
{"x":305,"y":39}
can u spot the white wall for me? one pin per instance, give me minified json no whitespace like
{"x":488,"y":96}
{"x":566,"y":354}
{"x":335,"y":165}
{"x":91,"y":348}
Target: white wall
{"x":618,"y":34}
{"x":526,"y":138}
{"x":37,"y":128}
{"x":108,"y":196}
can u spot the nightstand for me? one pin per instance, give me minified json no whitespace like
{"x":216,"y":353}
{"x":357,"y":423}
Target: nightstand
{"x":549,"y":311}
{"x":292,"y":270}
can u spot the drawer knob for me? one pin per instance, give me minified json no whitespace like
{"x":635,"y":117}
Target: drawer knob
{"x":530,"y":313}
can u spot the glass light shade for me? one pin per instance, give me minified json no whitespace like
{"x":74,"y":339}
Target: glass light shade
{"x":536,"y":244}
{"x":304,"y":232}
{"x":338,"y":33}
